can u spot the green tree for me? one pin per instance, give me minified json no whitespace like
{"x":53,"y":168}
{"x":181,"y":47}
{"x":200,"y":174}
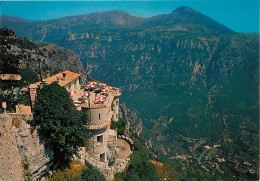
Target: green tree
{"x":92,"y":175}
{"x":140,"y":167}
{"x":8,"y":65}
{"x":9,"y":62}
{"x":59,"y":125}
{"x":28,"y":76}
{"x":194,"y":173}
{"x":120,"y":125}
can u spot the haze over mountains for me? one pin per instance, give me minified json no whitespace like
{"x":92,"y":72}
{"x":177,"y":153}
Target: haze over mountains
{"x":117,"y":19}
{"x":193,"y":80}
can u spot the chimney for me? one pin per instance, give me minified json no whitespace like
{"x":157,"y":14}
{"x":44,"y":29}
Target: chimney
{"x":48,"y":73}
{"x":64,"y":77}
{"x":41,"y":85}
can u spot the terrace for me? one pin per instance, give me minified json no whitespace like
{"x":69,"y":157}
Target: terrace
{"x":98,"y":98}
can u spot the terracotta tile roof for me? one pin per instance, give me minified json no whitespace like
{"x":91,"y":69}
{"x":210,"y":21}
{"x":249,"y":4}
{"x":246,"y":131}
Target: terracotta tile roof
{"x":24,"y":89}
{"x":10,"y":77}
{"x":70,"y":76}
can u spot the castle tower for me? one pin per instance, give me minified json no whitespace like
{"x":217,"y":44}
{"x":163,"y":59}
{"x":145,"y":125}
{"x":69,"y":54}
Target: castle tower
{"x":103,"y":108}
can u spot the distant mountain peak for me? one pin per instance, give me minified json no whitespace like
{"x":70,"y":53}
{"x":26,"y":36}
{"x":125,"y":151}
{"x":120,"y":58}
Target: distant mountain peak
{"x":191,"y":16}
{"x":181,"y":19}
{"x":184,"y":10}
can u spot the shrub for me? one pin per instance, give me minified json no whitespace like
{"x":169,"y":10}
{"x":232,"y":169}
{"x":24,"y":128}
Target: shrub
{"x":16,"y":122}
{"x":140,"y":168}
{"x":92,"y":175}
{"x":120,"y":125}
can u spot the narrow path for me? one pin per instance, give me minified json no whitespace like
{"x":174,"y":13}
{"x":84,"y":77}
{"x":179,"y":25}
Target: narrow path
{"x":44,"y":33}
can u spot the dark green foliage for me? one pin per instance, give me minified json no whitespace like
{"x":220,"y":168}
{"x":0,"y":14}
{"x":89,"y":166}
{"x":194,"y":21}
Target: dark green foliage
{"x":9,"y":62}
{"x":9,"y":91}
{"x":87,"y":164}
{"x":24,"y":43}
{"x":113,"y":124}
{"x":140,"y":168}
{"x":59,"y":125}
{"x":194,"y":174}
{"x":142,"y":150}
{"x":120,"y":125}
{"x":92,"y":174}
{"x":28,"y":76}
{"x":85,"y":117}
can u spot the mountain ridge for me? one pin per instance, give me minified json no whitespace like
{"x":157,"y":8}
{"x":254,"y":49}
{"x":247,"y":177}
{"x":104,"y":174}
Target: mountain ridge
{"x":118,"y":19}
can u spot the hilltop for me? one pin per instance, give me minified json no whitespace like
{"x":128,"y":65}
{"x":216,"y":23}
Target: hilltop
{"x":181,"y":19}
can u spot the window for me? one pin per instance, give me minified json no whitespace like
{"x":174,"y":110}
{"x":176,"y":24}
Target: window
{"x":98,"y":116}
{"x":100,"y":139}
{"x":102,"y":157}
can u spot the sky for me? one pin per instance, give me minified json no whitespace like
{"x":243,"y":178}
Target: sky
{"x":239,"y":15}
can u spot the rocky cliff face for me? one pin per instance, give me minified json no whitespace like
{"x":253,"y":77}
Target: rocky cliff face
{"x":133,"y":122}
{"x":22,"y":155}
{"x":32,"y":56}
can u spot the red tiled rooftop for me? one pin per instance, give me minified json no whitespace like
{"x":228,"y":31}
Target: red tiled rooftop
{"x":10,"y":77}
{"x":70,"y":76}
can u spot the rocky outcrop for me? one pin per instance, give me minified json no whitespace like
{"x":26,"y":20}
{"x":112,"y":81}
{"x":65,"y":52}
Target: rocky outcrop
{"x":133,"y":122}
{"x":10,"y":158}
{"x":22,"y":155}
{"x":51,"y":57}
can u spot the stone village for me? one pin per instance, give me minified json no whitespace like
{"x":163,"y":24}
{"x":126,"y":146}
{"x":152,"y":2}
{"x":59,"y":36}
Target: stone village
{"x":105,"y":150}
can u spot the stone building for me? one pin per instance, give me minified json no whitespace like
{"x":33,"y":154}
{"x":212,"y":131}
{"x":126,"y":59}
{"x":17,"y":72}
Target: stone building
{"x":102,"y":141}
{"x":67,"y":79}
{"x":101,"y":103}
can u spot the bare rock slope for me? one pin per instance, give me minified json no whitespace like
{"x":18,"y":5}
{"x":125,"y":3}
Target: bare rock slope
{"x":22,"y":156}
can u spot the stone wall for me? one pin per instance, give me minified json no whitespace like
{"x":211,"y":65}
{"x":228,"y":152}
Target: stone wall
{"x":21,"y":153}
{"x":115,"y":108}
{"x":10,"y":159}
{"x":108,"y":171}
{"x":95,"y":121}
{"x":96,"y":148}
